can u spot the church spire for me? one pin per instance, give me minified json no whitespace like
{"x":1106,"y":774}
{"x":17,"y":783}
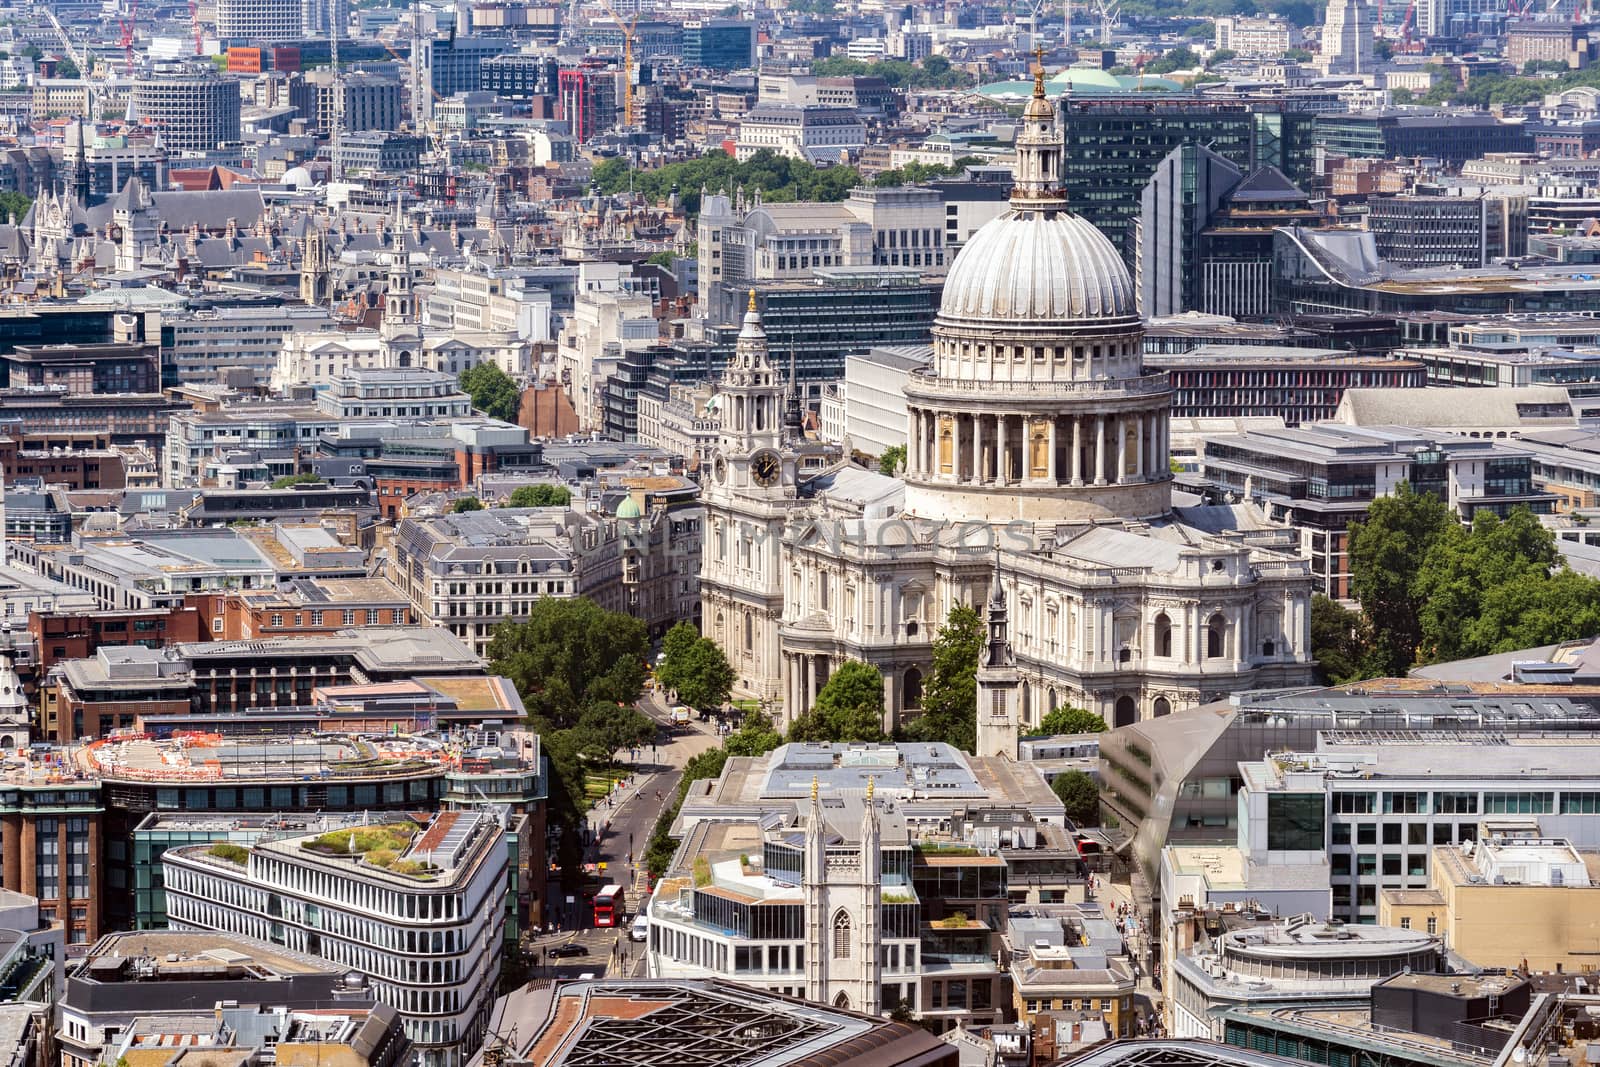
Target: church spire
{"x":998,"y":681}
{"x":1038,"y":168}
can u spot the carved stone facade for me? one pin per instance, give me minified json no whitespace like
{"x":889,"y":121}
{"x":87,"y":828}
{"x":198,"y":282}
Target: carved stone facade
{"x":1038,"y":466}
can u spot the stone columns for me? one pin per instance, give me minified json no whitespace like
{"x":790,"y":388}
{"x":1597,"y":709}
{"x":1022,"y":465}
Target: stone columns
{"x":1138,"y":447}
{"x":1099,"y":450}
{"x":1052,"y":473}
{"x":1002,"y":475}
{"x":977,"y":449}
{"x":955,"y":447}
{"x":1077,"y":450}
{"x":811,"y":681}
{"x":1120,"y":474}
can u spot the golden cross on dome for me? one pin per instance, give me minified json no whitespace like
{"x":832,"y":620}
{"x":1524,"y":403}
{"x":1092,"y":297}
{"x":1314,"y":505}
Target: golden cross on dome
{"x":1038,"y":71}
{"x":813,"y":777}
{"x":752,"y":300}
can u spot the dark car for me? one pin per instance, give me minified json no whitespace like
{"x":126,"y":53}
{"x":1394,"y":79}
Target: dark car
{"x":571,"y":948}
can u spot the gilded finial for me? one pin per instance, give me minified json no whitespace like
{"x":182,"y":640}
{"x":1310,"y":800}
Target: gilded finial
{"x":813,"y":789}
{"x":752,"y":300}
{"x":1038,"y":72}
{"x":872,"y":780}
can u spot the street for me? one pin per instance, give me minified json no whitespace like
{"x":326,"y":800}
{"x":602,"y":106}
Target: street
{"x":621,"y":825}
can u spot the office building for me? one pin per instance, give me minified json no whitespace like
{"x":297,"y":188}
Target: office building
{"x":1318,"y":479}
{"x":520,"y":76}
{"x":1297,"y":385}
{"x":1452,"y":137}
{"x":1103,"y":171}
{"x":1507,"y":900}
{"x":1278,"y":964}
{"x":259,"y":21}
{"x":194,"y":109}
{"x":453,"y":64}
{"x":719,"y":44}
{"x":380,"y":152}
{"x":874,"y":386}
{"x":370,"y":102}
{"x":107,"y":161}
{"x":199,"y":343}
{"x":1203,"y":238}
{"x":131,"y":989}
{"x":1068,"y":969}
{"x":1266,"y":37}
{"x":418,"y":909}
{"x":1433,"y":231}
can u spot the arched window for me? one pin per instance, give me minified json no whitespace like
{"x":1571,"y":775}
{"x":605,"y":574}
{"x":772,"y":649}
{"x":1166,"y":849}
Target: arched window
{"x":913,"y":689}
{"x":841,"y":935}
{"x":1127,"y":712}
{"x":842,"y":1001}
{"x":749,"y":632}
{"x":1163,"y":707}
{"x":1163,"y":635}
{"x":1216,"y":636}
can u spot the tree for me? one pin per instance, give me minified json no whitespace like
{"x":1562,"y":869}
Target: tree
{"x":1386,"y":552}
{"x":1069,"y":720}
{"x":295,"y":479}
{"x":569,"y":654}
{"x":661,"y":259}
{"x":1341,"y":642}
{"x":539,"y":496}
{"x":950,"y":700}
{"x":1180,"y":58}
{"x":755,"y":736}
{"x":466,"y":503}
{"x":492,"y":390}
{"x":15,"y":205}
{"x":1498,"y":587}
{"x":616,"y":727}
{"x":893,"y":458}
{"x":695,"y":667}
{"x":66,"y":68}
{"x":658,"y":853}
{"x":1078,"y":792}
{"x":849,"y":708}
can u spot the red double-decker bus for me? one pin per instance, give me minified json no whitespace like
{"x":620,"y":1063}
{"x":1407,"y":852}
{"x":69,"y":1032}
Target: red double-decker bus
{"x":609,"y":906}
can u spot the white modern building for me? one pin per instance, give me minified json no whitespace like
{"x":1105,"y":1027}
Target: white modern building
{"x":207,"y":341}
{"x":419,"y":910}
{"x":264,"y":21}
{"x":1264,"y":37}
{"x":875,"y":396}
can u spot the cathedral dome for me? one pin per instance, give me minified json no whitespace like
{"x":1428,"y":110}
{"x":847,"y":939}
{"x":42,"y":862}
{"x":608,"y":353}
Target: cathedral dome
{"x":1037,"y":267}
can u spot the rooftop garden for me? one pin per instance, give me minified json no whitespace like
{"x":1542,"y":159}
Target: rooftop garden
{"x":231,"y":853}
{"x":361,"y":841}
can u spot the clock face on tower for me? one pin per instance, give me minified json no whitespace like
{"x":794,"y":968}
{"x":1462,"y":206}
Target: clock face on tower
{"x":766,"y":468}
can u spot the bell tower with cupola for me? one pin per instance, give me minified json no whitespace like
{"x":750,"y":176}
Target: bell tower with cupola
{"x":998,"y":681}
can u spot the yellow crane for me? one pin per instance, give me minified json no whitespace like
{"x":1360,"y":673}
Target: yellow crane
{"x":627,"y":63}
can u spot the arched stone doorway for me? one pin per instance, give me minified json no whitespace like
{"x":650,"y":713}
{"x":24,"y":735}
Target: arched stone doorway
{"x":1163,"y":706}
{"x":911,"y":697}
{"x":1126,"y":713}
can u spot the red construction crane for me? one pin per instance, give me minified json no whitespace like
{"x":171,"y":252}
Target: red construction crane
{"x":194,"y":23}
{"x":1408,"y":27}
{"x":126,"y":26}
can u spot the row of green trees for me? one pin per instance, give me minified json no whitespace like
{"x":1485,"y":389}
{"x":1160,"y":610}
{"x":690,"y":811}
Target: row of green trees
{"x":780,"y":179}
{"x":1432,"y":589}
{"x":934,"y":72}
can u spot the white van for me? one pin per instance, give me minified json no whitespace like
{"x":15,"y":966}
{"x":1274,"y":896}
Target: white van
{"x":640,"y":930}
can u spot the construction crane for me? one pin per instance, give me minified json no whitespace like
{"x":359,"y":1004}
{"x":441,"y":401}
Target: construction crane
{"x":66,"y":44}
{"x":194,"y":25}
{"x":627,"y":63}
{"x":127,"y":25}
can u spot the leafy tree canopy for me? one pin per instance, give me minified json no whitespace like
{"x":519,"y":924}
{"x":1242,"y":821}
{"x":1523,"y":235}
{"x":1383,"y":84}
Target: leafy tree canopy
{"x":1078,"y":792}
{"x":1068,"y":720}
{"x":1386,"y":553}
{"x":934,"y":72}
{"x":780,"y":179}
{"x":950,"y":699}
{"x":492,"y":390}
{"x":1180,"y":58}
{"x":569,"y":654}
{"x":295,"y":479}
{"x":890,"y":461}
{"x":467,"y":503}
{"x":539,"y":496}
{"x":755,"y":736}
{"x":849,"y":707}
{"x":695,"y":667}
